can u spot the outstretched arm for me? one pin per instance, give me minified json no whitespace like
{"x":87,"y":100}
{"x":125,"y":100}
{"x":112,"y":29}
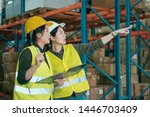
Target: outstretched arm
{"x":95,"y":45}
{"x":110,"y":36}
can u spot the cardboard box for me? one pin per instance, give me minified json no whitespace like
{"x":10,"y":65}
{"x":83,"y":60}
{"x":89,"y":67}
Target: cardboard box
{"x":133,"y":69}
{"x":12,"y":80}
{"x":144,"y":78}
{"x":9,"y":57}
{"x":93,"y":80}
{"x":10,"y":67}
{"x":6,"y":76}
{"x":105,"y":81}
{"x":102,"y":59}
{"x":1,"y":75}
{"x":108,"y":68}
{"x":9,"y":81}
{"x":111,"y":95}
{"x":95,"y":93}
{"x":139,"y":88}
{"x":91,"y":71}
{"x":1,"y":59}
{"x":134,"y":79}
{"x":98,"y":92}
{"x":123,"y":90}
{"x":98,"y":54}
{"x":6,"y":87}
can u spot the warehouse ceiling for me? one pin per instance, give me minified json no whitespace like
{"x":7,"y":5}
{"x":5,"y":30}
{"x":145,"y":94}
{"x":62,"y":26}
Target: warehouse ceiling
{"x":69,"y":15}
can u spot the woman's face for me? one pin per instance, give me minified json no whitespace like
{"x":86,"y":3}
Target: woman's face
{"x":60,"y":37}
{"x":45,"y":37}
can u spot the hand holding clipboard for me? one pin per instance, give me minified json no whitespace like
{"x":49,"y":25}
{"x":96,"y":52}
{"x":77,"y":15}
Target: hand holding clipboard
{"x":72,"y":71}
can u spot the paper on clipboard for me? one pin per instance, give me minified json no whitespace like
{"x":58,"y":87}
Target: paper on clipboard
{"x":72,"y":71}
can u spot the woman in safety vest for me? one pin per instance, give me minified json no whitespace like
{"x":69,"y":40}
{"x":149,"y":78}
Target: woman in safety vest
{"x":33,"y":64}
{"x":64,"y":56}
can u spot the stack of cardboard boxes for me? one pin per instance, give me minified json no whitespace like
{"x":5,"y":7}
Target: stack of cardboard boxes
{"x":136,"y":87}
{"x":98,"y":89}
{"x":9,"y":66}
{"x":99,"y":82}
{"x":1,"y":73}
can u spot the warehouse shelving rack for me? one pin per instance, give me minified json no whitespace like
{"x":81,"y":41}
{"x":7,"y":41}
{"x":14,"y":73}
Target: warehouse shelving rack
{"x":139,"y":47}
{"x":74,"y":19}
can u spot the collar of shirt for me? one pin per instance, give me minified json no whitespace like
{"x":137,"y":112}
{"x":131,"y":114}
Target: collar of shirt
{"x":40,"y":49}
{"x":61,"y":51}
{"x":59,"y":55}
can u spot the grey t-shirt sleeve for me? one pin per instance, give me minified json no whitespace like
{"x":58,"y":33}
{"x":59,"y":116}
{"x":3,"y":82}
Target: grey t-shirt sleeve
{"x":24,"y":65}
{"x":88,"y":47}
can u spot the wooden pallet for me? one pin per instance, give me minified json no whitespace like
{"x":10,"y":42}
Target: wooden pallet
{"x":13,"y":19}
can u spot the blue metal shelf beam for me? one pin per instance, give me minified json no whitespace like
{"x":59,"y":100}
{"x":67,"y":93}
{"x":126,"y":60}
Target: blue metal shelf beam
{"x":94,"y":65}
{"x":117,"y":49}
{"x":16,"y":46}
{"x":139,"y":67}
{"x":141,"y":46}
{"x":22,"y":26}
{"x":143,"y":92}
{"x":140,"y":21}
{"x":128,"y":64}
{"x":139,"y":52}
{"x":84,"y":29}
{"x":100,"y":17}
{"x":6,"y":40}
{"x":136,"y":3}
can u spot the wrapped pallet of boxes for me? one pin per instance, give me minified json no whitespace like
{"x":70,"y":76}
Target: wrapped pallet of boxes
{"x":9,"y":66}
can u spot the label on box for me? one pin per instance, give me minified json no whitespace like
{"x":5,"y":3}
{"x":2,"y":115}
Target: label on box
{"x":101,"y":91}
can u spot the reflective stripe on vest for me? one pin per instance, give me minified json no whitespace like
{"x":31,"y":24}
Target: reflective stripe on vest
{"x":36,"y":78}
{"x":33,"y":79}
{"x":33,"y":91}
{"x":72,"y":81}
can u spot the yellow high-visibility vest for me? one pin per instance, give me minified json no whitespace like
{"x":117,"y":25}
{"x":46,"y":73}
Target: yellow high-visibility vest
{"x":76,"y":83}
{"x":33,"y":90}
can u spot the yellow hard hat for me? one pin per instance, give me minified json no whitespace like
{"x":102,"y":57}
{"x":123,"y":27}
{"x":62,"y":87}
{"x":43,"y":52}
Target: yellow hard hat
{"x":34,"y":22}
